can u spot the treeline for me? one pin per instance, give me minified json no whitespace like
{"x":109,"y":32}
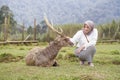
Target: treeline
{"x":108,"y":31}
{"x":11,"y":30}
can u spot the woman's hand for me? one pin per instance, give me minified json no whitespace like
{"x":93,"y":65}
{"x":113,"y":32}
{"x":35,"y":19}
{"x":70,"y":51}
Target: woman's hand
{"x":79,"y":49}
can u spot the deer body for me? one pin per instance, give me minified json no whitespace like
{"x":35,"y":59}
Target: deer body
{"x":46,"y":56}
{"x":43,"y":57}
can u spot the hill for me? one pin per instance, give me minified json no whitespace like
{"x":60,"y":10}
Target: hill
{"x":64,"y":11}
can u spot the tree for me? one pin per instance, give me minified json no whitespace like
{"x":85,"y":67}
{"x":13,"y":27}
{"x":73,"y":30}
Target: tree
{"x":43,"y":27}
{"x":6,"y":12}
{"x":30,"y":30}
{"x":110,"y":30}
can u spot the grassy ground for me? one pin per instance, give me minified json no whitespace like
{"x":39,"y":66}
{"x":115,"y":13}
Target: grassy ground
{"x":106,"y":60}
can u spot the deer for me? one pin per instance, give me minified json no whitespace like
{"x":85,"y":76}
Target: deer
{"x":46,"y":57}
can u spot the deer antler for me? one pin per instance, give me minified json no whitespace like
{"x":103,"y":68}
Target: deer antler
{"x":52,"y":28}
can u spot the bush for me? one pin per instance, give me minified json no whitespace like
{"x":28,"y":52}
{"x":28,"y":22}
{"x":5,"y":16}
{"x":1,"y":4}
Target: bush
{"x":71,"y":57}
{"x":6,"y":57}
{"x":68,"y":56}
{"x":115,"y":52}
{"x":116,"y":61}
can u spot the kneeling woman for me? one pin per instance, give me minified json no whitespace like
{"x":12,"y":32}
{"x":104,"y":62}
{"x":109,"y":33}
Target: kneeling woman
{"x":85,"y":41}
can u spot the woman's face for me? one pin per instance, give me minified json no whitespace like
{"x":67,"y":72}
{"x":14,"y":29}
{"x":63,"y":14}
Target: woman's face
{"x":87,"y":29}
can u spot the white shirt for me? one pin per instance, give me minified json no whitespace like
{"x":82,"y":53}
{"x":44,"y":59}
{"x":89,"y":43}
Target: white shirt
{"x":79,"y":39}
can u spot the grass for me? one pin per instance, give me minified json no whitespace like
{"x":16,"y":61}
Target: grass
{"x":106,"y":60}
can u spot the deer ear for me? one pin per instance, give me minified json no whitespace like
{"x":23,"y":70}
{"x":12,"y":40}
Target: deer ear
{"x":66,"y":39}
{"x":57,"y":39}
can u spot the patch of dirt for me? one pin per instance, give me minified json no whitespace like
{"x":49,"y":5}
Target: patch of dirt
{"x":116,"y":62}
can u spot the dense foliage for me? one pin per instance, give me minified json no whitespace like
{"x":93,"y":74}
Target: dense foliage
{"x":109,"y":31}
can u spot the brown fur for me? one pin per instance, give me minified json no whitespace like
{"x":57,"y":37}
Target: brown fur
{"x":46,"y":57}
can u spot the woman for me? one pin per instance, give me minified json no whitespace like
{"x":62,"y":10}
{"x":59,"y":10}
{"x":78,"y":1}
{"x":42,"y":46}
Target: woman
{"x":85,"y":40}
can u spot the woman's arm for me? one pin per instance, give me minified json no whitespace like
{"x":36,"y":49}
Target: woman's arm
{"x":75,"y":38}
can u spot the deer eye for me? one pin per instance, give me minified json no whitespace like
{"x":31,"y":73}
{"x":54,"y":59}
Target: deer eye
{"x":66,"y":39}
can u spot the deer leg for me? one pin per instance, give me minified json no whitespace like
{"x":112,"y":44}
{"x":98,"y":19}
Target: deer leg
{"x":30,"y":59}
{"x":42,"y":61}
{"x":51,"y":63}
{"x":55,"y":63}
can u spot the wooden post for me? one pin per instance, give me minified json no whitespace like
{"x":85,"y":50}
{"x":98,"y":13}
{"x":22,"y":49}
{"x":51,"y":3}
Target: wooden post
{"x":117,"y":30}
{"x":109,"y":33}
{"x":23,"y":31}
{"x":5,"y":29}
{"x":34,"y":29}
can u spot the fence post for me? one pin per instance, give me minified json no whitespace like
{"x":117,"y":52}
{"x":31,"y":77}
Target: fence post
{"x":5,"y":29}
{"x":117,"y":30}
{"x":34,"y":29}
{"x":8,"y":27}
{"x":23,"y":31}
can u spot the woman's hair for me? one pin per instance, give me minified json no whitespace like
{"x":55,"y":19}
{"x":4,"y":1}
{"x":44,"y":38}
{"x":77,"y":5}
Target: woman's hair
{"x":90,"y":24}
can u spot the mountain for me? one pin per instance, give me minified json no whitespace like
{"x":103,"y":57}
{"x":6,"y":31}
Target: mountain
{"x":64,"y":11}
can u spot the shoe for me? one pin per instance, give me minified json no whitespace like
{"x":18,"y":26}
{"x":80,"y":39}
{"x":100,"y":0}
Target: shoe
{"x":91,"y":64}
{"x":81,"y":62}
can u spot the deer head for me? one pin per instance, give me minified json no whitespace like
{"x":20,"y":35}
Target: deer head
{"x":62,"y":39}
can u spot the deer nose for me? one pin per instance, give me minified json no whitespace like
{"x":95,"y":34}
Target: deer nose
{"x":70,"y":43}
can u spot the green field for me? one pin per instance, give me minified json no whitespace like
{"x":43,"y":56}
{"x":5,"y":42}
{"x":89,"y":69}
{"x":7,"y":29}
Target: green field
{"x":106,"y":61}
